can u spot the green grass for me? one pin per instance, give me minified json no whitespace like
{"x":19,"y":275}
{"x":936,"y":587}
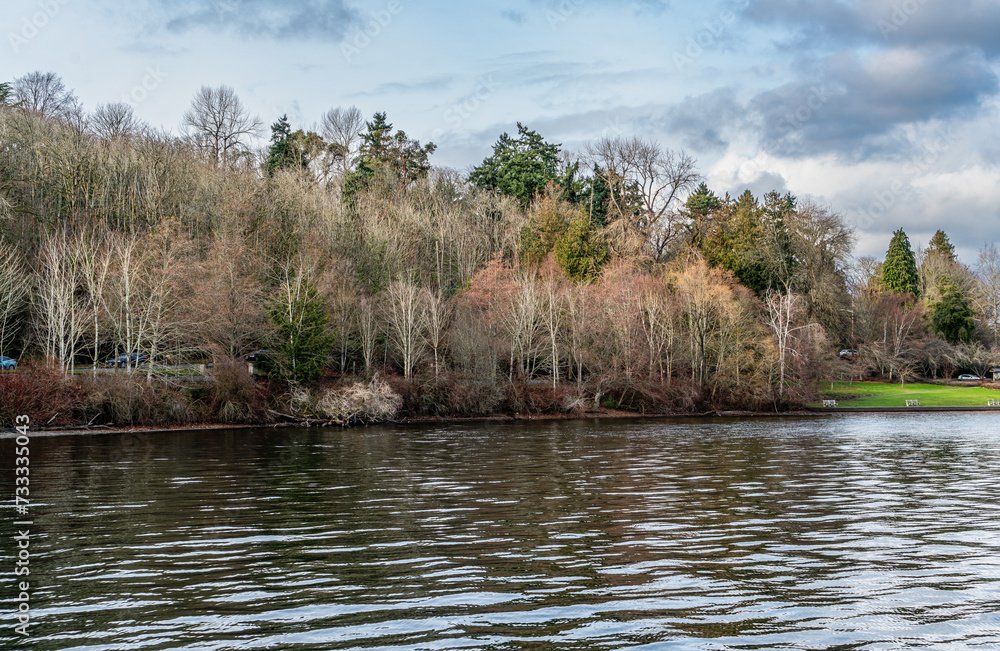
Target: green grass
{"x":865,"y":389}
{"x":874,"y":394}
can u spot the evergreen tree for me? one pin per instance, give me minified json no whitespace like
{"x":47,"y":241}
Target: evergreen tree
{"x":746,"y":237}
{"x":278,"y":156}
{"x":776,"y":240}
{"x":550,"y":219}
{"x":581,"y":251}
{"x":406,"y":159}
{"x":596,"y":198}
{"x":953,"y":318}
{"x":302,"y":338}
{"x":519,"y":167}
{"x":290,"y":150}
{"x":4,"y":93}
{"x":899,"y":271}
{"x":700,"y":208}
{"x":941,"y":245}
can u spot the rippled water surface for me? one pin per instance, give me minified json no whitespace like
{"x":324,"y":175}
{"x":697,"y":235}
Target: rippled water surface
{"x":867,"y":532}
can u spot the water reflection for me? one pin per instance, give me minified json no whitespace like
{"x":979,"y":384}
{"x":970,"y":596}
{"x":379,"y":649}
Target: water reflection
{"x":856,"y":533}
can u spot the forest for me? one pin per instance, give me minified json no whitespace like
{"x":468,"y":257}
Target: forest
{"x":368,"y":284}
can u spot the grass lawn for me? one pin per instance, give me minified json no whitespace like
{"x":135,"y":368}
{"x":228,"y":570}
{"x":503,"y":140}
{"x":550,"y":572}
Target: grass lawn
{"x":874,"y":394}
{"x":865,"y":389}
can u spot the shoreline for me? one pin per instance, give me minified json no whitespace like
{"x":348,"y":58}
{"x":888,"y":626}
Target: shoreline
{"x":416,"y":420}
{"x":507,"y":418}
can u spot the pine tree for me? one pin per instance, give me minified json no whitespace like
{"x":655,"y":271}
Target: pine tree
{"x":899,"y":271}
{"x":942,"y":245}
{"x":700,"y":207}
{"x":519,"y":167}
{"x":290,"y":149}
{"x":302,"y":337}
{"x":953,"y":318}
{"x":405,"y":158}
{"x":582,"y":251}
{"x":278,"y":155}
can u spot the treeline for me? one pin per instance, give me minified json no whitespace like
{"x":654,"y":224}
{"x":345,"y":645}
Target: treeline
{"x":925,"y":313}
{"x":536,"y":281}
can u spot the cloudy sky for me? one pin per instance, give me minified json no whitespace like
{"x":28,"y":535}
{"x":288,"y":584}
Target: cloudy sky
{"x":885,"y":110}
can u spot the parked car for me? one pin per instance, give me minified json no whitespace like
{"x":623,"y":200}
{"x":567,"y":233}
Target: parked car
{"x":848,"y":353}
{"x":7,"y":364}
{"x":136,"y":359}
{"x":258,"y":355}
{"x":969,"y":376}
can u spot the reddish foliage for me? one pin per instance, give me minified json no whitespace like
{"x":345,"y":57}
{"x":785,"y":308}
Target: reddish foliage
{"x":234,"y":396}
{"x":41,"y":393}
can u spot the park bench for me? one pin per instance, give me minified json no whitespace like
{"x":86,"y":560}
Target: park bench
{"x":912,"y":403}
{"x":833,"y":403}
{"x":993,"y":402}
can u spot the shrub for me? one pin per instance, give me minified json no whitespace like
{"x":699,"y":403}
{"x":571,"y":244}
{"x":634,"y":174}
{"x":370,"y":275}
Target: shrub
{"x":233,"y":396}
{"x":374,"y":402}
{"x":536,"y":399}
{"x":41,"y":393}
{"x":128,"y":399}
{"x":449,"y":394}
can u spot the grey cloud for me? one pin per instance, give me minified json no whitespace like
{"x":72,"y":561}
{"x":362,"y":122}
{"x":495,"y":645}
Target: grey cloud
{"x":915,"y":23}
{"x":516,"y":17}
{"x":760,"y":186}
{"x":319,"y":19}
{"x":856,"y":107}
{"x":395,"y":87}
{"x":969,"y":221}
{"x":700,"y":120}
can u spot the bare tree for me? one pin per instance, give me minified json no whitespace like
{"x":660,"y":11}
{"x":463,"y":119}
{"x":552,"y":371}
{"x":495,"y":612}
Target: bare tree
{"x":988,"y":288}
{"x":60,"y":310}
{"x":368,"y":329}
{"x":521,"y":317}
{"x":782,"y":312}
{"x":341,"y":127}
{"x":864,"y":275}
{"x":406,"y":319}
{"x":578,"y":322}
{"x":620,"y":302}
{"x":226,"y":303}
{"x":553,"y":316}
{"x":704,"y":297}
{"x":95,"y":269}
{"x":127,"y":304}
{"x":660,"y":175}
{"x":13,"y":294}
{"x":220,"y":124}
{"x":45,"y":94}
{"x":342,"y":298}
{"x":657,"y":320}
{"x":115,"y":121}
{"x":166,"y":256}
{"x":439,"y":314}
{"x":975,"y":358}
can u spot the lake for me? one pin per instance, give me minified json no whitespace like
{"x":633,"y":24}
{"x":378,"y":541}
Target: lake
{"x":847,"y":532}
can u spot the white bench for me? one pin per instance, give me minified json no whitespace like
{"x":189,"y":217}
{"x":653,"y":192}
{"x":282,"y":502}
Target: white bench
{"x":912,"y":403}
{"x":833,"y":403}
{"x":993,"y":402}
